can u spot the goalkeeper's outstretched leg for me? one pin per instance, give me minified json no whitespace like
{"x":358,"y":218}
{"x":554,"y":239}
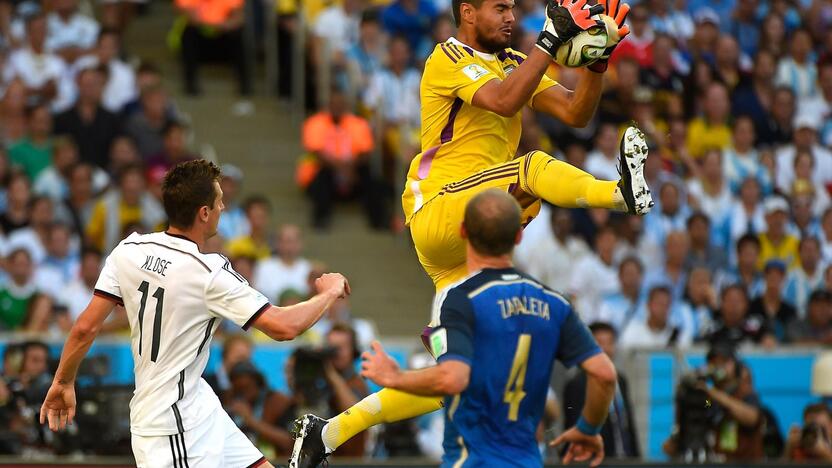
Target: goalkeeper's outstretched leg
{"x":538,"y":176}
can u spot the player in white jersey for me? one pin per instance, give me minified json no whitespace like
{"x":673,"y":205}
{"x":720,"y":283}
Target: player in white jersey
{"x":175,"y":297}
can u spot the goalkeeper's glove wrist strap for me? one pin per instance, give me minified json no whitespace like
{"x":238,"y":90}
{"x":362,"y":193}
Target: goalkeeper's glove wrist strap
{"x":599,"y":67}
{"x":548,"y":42}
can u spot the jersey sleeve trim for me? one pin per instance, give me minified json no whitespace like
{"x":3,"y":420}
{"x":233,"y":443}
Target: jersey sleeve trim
{"x":108,"y":296}
{"x":454,"y":357}
{"x":583,"y":357}
{"x":259,"y":312}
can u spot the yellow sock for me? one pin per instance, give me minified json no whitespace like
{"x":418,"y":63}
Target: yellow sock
{"x":565,"y":185}
{"x":385,"y":406}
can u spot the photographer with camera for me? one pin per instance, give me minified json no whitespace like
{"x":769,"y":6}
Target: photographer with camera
{"x":729,"y":425}
{"x":813,"y":442}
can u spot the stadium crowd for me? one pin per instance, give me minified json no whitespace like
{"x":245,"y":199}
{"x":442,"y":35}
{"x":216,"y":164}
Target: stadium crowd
{"x":735,"y":97}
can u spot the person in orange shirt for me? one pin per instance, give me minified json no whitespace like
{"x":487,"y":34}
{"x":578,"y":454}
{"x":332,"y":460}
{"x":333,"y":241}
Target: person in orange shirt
{"x":340,"y":143}
{"x":213,"y":28}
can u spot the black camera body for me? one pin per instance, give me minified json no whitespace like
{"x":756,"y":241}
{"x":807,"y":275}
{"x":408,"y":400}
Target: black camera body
{"x":810,"y":434}
{"x":693,"y":412}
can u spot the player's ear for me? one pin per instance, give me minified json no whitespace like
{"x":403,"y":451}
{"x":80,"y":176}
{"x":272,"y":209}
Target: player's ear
{"x":466,"y":12}
{"x":203,"y":213}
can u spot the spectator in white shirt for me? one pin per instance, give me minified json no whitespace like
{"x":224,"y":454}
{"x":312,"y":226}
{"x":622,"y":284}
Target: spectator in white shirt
{"x":550,"y":259}
{"x":70,"y":33}
{"x":60,"y":266}
{"x":121,"y":79}
{"x":742,"y":160}
{"x":804,"y":139}
{"x":709,"y":190}
{"x":671,"y":273}
{"x":672,"y":214}
{"x":746,"y":215}
{"x":336,"y":30}
{"x":42,"y":72}
{"x":602,"y":161}
{"x":655,"y":330}
{"x":75,"y":297}
{"x":594,"y":276}
{"x":627,"y":304}
{"x":287,"y":269}
{"x":233,"y":222}
{"x":34,"y":237}
{"x":797,"y":71}
{"x":53,"y":181}
{"x":821,"y":104}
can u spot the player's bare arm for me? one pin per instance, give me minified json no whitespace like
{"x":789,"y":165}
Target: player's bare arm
{"x":59,"y":406}
{"x":586,"y":444}
{"x":446,"y":378}
{"x":572,"y":107}
{"x":286,"y":323}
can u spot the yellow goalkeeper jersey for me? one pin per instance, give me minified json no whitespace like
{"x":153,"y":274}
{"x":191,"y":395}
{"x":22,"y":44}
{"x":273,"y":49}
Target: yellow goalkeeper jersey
{"x":459,"y":139}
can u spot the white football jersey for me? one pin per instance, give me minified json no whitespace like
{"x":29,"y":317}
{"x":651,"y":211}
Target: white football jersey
{"x":175,"y":297}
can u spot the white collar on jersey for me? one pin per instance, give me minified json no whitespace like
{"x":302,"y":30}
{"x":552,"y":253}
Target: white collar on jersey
{"x":482,"y":55}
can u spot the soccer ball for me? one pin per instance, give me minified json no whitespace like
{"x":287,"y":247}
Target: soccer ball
{"x":585,"y":48}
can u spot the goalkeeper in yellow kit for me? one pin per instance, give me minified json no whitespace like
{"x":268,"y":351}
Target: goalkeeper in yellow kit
{"x":472,"y":91}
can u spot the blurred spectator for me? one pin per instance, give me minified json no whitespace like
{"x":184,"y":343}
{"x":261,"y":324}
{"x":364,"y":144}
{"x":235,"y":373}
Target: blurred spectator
{"x":233,"y":222}
{"x":70,"y":33}
{"x":61,"y":263}
{"x":797,"y":71}
{"x":18,"y":198}
{"x":746,"y":272}
{"x":75,"y":210}
{"x":662,"y":76}
{"x":821,"y":104}
{"x":744,"y":26}
{"x":128,"y":203}
{"x":655,"y":330}
{"x":256,"y":409}
{"x":347,"y":386}
{"x":616,"y":102}
{"x":75,"y":296}
{"x":772,"y":35}
{"x":34,"y":378}
{"x":775,"y":242}
{"x":621,"y":307}
{"x":123,"y":153}
{"x":146,"y":126}
{"x":709,"y":191}
{"x":756,"y":99}
{"x":602,"y":161}
{"x":213,"y":28}
{"x":41,"y":71}
{"x":746,"y":215}
{"x":734,"y":325}
{"x":711,"y":130}
{"x":702,"y":251}
{"x":442,"y":30}
{"x":702,"y":44}
{"x":174,"y":149}
{"x":769,"y":307}
{"x":22,"y":307}
{"x":805,"y":203}
{"x":782,"y":113}
{"x":13,"y":110}
{"x":34,"y":237}
{"x":93,"y":127}
{"x":53,"y":181}
{"x":594,"y":275}
{"x":816,"y":328}
{"x":341,"y":313}
{"x":633,"y":242}
{"x":335,"y":30}
{"x":553,"y":254}
{"x":805,"y":139}
{"x":365,"y":58}
{"x":393,"y":95}
{"x":341,"y":143}
{"x":727,"y":64}
{"x":672,"y":273}
{"x":285,"y":270}
{"x":639,"y":42}
{"x":812,"y":442}
{"x":255,"y":244}
{"x":806,"y":277}
{"x":667,"y":19}
{"x":121,"y":79}
{"x":741,"y":160}
{"x":33,"y":153}
{"x":409,"y":18}
{"x":619,"y":430}
{"x":671,"y":215}
{"x":236,"y":348}
{"x":696,"y":310}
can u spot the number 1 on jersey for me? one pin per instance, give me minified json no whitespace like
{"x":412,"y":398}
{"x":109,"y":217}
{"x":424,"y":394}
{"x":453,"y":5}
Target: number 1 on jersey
{"x":514,"y":393}
{"x":159,"y":295}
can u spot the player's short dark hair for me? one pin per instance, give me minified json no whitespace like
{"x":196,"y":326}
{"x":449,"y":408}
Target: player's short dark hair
{"x":492,"y":221}
{"x":188,"y":187}
{"x":455,"y":8}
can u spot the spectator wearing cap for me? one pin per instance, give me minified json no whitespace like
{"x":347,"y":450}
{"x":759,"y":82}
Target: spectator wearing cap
{"x":409,"y":18}
{"x":91,"y":126}
{"x":213,"y":28}
{"x":775,"y":242}
{"x":233,"y":222}
{"x":121,"y":78}
{"x":816,"y":328}
{"x":704,"y":251}
{"x":22,"y":306}
{"x":804,"y":139}
{"x":807,"y":276}
{"x":33,"y":153}
{"x":255,"y":244}
{"x":734,"y":325}
{"x":797,"y":71}
{"x":287,"y":269}
{"x":41,"y":71}
{"x":715,"y":9}
{"x":258,"y":410}
{"x":655,"y":329}
{"x":711,"y":130}
{"x":639,"y":42}
{"x":70,"y":33}
{"x":744,"y":26}
{"x":769,"y":307}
